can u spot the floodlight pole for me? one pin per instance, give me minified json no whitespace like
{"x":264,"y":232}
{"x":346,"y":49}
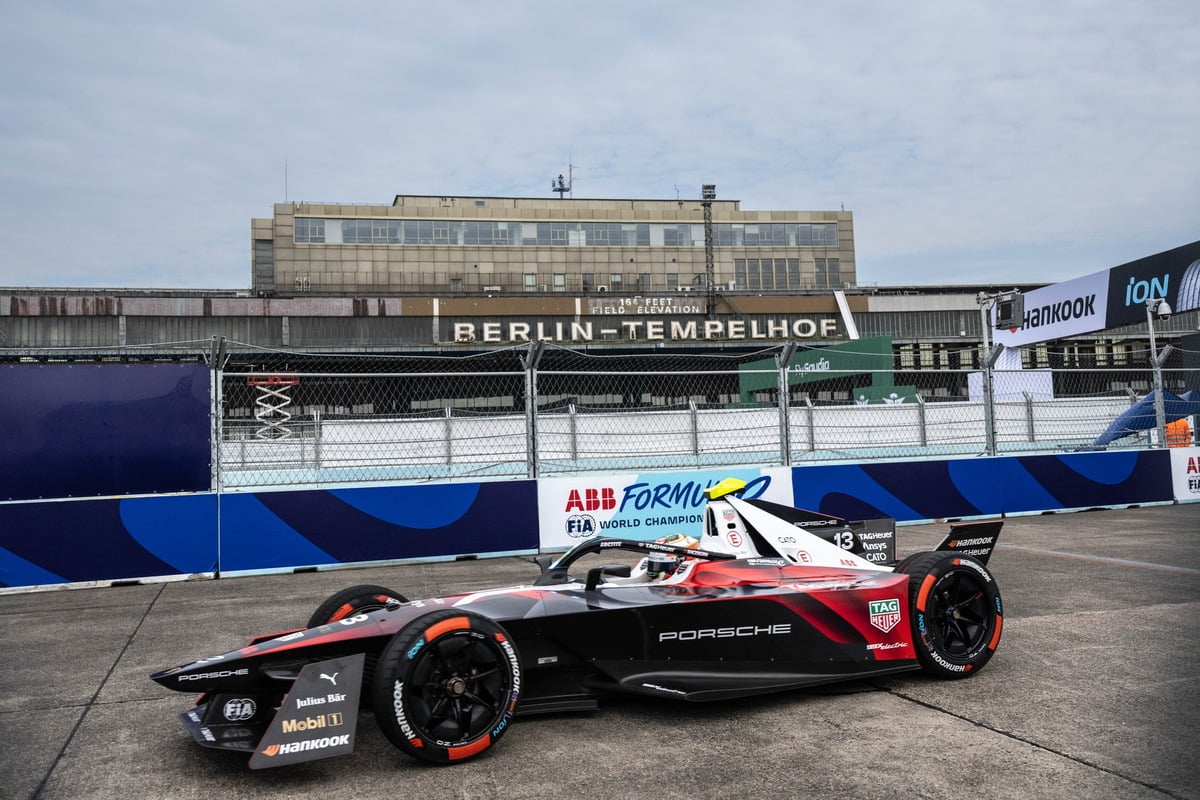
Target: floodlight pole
{"x":708,"y":193}
{"x":985,"y":304}
{"x":989,"y":358}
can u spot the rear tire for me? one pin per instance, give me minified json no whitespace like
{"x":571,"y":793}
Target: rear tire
{"x":354,"y":600}
{"x":955,"y":612}
{"x":446,"y":686}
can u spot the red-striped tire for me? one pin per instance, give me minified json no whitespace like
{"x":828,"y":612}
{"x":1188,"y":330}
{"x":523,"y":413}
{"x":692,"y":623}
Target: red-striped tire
{"x":446,"y":686}
{"x":955,"y":612}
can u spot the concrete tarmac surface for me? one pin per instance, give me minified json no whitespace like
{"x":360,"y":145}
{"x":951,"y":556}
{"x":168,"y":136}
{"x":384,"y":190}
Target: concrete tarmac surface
{"x":1093,"y":693}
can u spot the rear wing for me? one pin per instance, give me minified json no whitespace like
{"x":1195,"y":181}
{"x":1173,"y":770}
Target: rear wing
{"x":976,"y":539}
{"x":871,"y":539}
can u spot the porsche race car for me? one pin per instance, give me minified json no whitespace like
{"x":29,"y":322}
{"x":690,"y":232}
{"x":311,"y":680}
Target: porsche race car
{"x":768,"y":599}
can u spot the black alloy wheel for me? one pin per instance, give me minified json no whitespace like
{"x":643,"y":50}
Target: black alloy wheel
{"x":446,"y":686}
{"x":955,"y":612}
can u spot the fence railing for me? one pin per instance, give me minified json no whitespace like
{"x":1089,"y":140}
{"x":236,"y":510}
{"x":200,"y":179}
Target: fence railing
{"x":523,"y":412}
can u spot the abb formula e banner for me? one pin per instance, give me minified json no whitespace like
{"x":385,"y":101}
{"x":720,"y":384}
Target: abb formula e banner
{"x":1108,"y":299}
{"x":1185,"y":473}
{"x":642,"y":506}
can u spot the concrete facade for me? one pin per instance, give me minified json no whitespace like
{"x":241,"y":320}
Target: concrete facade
{"x":545,"y":245}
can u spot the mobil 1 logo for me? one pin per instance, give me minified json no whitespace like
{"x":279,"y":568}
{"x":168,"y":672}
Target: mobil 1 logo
{"x":317,"y":718}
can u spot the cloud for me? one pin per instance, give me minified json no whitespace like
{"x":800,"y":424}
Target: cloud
{"x":977,"y":142}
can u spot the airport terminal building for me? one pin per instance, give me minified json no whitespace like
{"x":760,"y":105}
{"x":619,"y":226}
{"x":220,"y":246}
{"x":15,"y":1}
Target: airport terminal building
{"x":459,"y":275}
{"x":558,"y":245}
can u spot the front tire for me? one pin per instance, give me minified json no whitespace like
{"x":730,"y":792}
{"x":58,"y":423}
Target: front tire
{"x":446,"y":686}
{"x":354,"y":600}
{"x":955,"y":612}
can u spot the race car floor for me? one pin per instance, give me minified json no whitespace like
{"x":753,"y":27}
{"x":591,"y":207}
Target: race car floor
{"x":1093,"y":693}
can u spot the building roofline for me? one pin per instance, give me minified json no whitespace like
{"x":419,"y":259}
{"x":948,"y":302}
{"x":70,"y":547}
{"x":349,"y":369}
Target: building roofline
{"x":395,"y":200}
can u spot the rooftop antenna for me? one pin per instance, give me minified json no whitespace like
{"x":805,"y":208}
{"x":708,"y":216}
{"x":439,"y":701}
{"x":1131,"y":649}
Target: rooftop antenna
{"x":563,"y":186}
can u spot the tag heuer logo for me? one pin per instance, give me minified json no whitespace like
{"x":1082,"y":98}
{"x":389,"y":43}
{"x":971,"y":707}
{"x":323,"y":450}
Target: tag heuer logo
{"x":885,"y":614}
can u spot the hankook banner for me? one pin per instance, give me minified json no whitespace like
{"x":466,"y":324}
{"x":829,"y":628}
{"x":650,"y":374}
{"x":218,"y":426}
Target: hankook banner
{"x":1110,"y":298}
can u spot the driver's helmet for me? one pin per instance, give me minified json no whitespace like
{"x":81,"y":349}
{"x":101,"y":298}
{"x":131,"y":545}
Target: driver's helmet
{"x":660,"y":566}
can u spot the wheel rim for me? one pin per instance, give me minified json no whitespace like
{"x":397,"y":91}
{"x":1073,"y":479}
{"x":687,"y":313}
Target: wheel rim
{"x":459,"y":688}
{"x":961,"y":613}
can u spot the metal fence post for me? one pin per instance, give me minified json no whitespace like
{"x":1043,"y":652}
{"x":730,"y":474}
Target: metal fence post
{"x":574,"y":428}
{"x":1031,"y":430}
{"x":530,"y":362}
{"x":695,"y":415}
{"x":1153,"y":308}
{"x":812,"y":424}
{"x":922,"y":421}
{"x":216,"y":423}
{"x":317,"y":433}
{"x":449,"y":428}
{"x":989,"y":398}
{"x":783,"y":360}
{"x":216,"y":413}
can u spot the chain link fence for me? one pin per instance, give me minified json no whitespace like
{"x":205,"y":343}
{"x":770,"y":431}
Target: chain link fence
{"x":290,"y":419}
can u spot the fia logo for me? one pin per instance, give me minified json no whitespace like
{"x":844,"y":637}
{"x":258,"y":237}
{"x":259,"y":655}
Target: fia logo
{"x":581,"y":526}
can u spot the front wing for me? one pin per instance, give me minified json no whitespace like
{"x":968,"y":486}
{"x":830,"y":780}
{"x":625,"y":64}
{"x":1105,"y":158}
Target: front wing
{"x":316,"y":718}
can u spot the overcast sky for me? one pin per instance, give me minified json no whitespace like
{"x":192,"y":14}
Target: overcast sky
{"x":975,"y":142}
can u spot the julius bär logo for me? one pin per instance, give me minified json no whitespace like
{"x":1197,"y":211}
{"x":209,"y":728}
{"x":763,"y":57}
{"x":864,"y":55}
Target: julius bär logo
{"x":885,"y":614}
{"x":604,"y":499}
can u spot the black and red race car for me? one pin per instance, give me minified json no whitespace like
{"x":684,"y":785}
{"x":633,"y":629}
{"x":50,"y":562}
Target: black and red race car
{"x":768,"y":599}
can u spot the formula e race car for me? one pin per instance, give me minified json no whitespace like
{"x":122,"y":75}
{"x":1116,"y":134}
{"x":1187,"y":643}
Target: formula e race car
{"x":768,"y":599}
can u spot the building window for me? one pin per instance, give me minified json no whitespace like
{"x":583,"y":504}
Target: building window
{"x":672,"y":281}
{"x":530,"y":281}
{"x":564,"y":234}
{"x":766,"y":273}
{"x":589,"y":281}
{"x":264,"y":264}
{"x":828,"y":273}
{"x":560,"y":281}
{"x":310,"y":230}
{"x":614,"y":281}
